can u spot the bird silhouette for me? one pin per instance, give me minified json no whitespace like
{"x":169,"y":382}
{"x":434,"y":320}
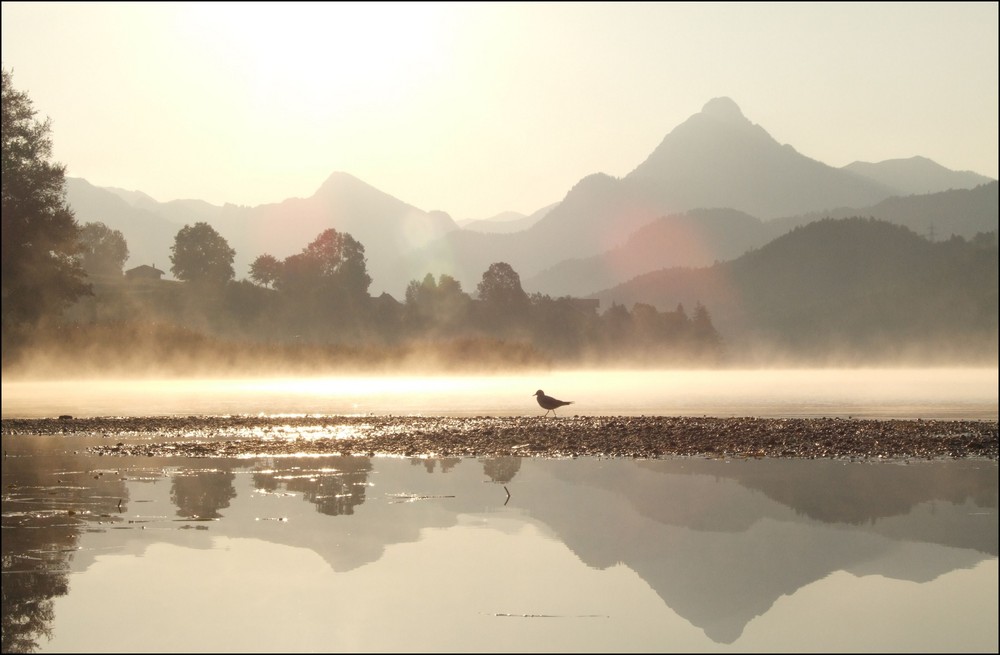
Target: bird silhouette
{"x":548,"y":403}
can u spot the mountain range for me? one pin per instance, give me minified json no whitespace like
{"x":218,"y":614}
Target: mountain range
{"x":842,"y":288}
{"x":715,"y":187}
{"x":703,"y":237}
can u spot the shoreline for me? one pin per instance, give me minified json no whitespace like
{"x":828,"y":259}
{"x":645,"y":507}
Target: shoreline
{"x":646,"y":437}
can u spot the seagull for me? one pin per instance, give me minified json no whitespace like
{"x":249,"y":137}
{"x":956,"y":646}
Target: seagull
{"x":549,"y":404}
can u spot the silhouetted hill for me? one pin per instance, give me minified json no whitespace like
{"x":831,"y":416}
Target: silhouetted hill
{"x":134,"y":198}
{"x":501,"y":220}
{"x":702,"y":237}
{"x":506,"y":222}
{"x":962,"y":212}
{"x":598,"y":213}
{"x":388,"y":228}
{"x":718,"y":158}
{"x":149,"y":234}
{"x":916,"y":175}
{"x":854,"y":287}
{"x":696,"y":238}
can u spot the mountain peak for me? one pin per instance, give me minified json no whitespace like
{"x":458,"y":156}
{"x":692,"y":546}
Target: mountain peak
{"x":340,"y":179}
{"x":348,"y":188}
{"x":719,"y":158}
{"x":724,"y":109}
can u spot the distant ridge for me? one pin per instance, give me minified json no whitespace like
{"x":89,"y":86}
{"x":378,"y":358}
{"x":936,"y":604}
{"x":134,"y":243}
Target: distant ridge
{"x":506,"y":222}
{"x":695,"y":238}
{"x":148,"y":233}
{"x":718,"y":158}
{"x":387,"y":227}
{"x":917,"y":175}
{"x":850,"y":286}
{"x":701,"y":237}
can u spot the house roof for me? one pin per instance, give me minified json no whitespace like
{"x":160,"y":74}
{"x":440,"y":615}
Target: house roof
{"x":144,"y":268}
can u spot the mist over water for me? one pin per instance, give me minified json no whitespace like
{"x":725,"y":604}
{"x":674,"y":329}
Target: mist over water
{"x":941,"y":393}
{"x":696,"y":554}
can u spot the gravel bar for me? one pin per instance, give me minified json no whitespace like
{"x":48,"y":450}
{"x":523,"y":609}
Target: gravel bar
{"x":605,"y":436}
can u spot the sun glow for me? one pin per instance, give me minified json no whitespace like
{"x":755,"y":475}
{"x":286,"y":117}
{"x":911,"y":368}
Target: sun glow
{"x":896,"y":393}
{"x":322,"y":57}
{"x":298,"y":90}
{"x":361,"y":386}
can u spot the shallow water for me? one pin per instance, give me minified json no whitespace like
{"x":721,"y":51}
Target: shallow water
{"x":330,"y":553}
{"x":519,"y":554}
{"x":942,"y":393}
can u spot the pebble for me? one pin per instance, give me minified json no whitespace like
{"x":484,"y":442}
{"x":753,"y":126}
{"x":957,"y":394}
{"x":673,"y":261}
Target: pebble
{"x":573,"y":436}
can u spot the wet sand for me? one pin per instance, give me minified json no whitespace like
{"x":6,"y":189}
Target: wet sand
{"x":563,"y":436}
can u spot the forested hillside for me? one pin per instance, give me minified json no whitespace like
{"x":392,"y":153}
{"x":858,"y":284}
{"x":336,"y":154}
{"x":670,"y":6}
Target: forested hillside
{"x":857,"y":288}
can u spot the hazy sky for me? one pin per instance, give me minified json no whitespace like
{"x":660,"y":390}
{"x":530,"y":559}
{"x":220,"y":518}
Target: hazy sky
{"x":480,"y":108}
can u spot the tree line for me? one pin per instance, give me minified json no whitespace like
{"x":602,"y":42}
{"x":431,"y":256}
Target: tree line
{"x":59,"y":276}
{"x":321,"y":295}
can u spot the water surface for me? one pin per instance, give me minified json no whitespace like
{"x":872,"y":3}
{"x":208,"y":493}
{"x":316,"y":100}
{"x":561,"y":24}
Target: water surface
{"x":516,"y":554}
{"x":943,"y":393}
{"x":377,"y":554}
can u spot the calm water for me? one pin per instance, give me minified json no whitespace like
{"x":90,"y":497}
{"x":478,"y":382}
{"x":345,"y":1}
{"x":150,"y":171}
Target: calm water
{"x":515,"y":554}
{"x":878,"y":393}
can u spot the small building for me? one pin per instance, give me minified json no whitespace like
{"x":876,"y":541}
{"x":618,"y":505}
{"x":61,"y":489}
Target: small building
{"x":144,"y":272}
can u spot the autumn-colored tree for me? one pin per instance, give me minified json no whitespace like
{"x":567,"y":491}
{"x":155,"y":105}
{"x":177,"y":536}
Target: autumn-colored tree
{"x":338,"y":258}
{"x":324,"y":288}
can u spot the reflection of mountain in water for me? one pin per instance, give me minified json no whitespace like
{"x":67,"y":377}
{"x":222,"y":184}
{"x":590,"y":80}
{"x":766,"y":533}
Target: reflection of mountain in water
{"x":386,"y":508}
{"x":863,"y":494}
{"x":719,"y":542}
{"x":720,"y":552}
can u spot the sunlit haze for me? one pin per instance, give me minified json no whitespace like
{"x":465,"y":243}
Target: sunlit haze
{"x":893,"y":393}
{"x":621,"y":326}
{"x":482,"y":108}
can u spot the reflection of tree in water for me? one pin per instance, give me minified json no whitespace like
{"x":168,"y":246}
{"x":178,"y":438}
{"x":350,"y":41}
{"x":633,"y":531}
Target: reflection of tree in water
{"x":335,"y":490}
{"x":27,"y":595}
{"x":447,"y":463}
{"x":202,"y":493}
{"x":265,"y":481}
{"x":44,"y":515}
{"x":501,"y":469}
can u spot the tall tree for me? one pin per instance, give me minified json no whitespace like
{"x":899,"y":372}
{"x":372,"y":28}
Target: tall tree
{"x":325,"y":287}
{"x":201,"y":255}
{"x":704,"y":332}
{"x":40,"y":275}
{"x":265,"y":270}
{"x":501,"y":286}
{"x":103,"y":251}
{"x":503,"y":305}
{"x":340,"y":260}
{"x":439,"y":306}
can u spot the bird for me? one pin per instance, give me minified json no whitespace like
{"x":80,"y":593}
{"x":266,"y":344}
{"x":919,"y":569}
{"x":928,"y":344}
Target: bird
{"x":548,"y":403}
